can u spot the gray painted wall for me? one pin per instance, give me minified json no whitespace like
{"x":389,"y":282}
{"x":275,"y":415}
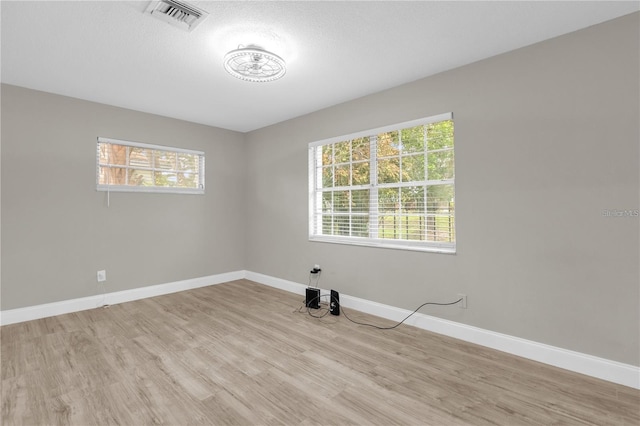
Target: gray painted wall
{"x":546,"y":138}
{"x":56,"y":228}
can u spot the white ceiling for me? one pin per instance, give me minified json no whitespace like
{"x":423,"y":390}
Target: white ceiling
{"x":114,"y":53}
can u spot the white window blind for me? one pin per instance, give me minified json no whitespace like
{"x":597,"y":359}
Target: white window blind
{"x":390,"y":187}
{"x":140,"y":167}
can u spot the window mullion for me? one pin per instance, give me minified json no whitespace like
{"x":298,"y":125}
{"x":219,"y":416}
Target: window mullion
{"x":126,"y":170}
{"x":317,"y":213}
{"x":373,"y":192}
{"x":349,"y":197}
{"x":425,"y":228}
{"x":333,"y":186}
{"x":153,"y":167}
{"x":401,"y":180}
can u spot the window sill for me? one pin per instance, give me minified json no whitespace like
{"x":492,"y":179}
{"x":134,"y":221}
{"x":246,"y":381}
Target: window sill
{"x":391,"y":244}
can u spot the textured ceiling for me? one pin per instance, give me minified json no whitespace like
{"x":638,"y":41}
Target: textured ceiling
{"x":114,"y":53}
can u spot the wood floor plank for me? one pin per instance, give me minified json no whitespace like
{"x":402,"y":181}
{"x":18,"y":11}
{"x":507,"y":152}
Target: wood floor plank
{"x":241,"y":353}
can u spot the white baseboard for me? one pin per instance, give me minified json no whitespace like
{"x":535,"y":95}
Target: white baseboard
{"x":279,"y":283}
{"x":612,"y":371}
{"x":74,"y":305}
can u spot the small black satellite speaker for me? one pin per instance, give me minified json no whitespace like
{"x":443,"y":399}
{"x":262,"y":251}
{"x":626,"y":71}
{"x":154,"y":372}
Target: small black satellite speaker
{"x":334,"y":304}
{"x":312,"y":298}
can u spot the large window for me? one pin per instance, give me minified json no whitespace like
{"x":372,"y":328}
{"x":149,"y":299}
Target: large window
{"x":133,"y":166}
{"x":390,"y":187}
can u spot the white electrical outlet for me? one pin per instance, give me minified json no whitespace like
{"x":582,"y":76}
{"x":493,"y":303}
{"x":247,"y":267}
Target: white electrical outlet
{"x":463,"y":302}
{"x":102,"y":276}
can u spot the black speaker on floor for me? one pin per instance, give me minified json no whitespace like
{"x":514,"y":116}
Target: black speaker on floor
{"x":334,"y":304}
{"x":312,"y":298}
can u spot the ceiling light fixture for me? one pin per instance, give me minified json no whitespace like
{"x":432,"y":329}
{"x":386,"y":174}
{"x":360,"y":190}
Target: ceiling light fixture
{"x":253,"y":63}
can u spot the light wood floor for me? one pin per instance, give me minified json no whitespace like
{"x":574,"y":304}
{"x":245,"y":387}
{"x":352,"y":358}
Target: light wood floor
{"x":237,"y":353}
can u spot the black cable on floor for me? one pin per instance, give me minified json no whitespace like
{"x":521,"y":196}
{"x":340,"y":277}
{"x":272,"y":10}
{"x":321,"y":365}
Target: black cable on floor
{"x":394,"y":326}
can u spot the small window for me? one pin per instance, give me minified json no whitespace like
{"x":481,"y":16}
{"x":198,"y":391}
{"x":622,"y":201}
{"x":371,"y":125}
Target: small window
{"x":388,"y":187}
{"x":139,"y":167}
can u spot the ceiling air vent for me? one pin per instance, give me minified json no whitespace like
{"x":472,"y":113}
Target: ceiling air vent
{"x":177,"y":13}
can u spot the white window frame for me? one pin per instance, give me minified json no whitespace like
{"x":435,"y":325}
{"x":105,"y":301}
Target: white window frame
{"x":315,"y":194}
{"x":157,"y":189}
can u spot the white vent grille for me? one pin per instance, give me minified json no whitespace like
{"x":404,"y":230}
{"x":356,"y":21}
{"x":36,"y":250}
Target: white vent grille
{"x":177,"y":13}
